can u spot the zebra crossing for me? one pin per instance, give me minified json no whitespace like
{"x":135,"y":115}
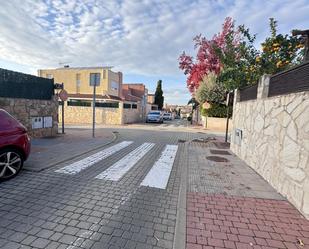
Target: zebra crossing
{"x":78,"y":166}
{"x":159,"y":174}
{"x":117,"y":170}
{"x":157,"y":177}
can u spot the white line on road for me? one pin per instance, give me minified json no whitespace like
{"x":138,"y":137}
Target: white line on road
{"x":78,"y":166}
{"x":159,"y":174}
{"x":117,"y":170}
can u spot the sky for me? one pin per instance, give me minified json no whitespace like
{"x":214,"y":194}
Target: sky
{"x":141,"y":38}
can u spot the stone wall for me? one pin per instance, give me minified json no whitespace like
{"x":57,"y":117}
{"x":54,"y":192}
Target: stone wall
{"x":25,"y":110}
{"x":132,"y":115}
{"x":108,"y":116}
{"x":271,"y":134}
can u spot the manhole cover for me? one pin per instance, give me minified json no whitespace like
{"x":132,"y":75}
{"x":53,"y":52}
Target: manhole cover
{"x":220,"y":152}
{"x":216,"y":159}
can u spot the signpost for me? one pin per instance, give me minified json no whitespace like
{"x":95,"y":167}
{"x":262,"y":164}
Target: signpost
{"x":229,"y":102}
{"x":94,"y":81}
{"x":63,"y":95}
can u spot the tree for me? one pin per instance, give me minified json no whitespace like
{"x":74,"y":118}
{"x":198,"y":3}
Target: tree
{"x":207,"y":59}
{"x":159,"y":99}
{"x":194,"y":103}
{"x":239,"y":67}
{"x":210,"y":90}
{"x":236,"y":63}
{"x":279,"y":52}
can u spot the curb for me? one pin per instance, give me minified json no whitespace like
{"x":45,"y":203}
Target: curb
{"x":181,"y":218}
{"x":115,"y":137}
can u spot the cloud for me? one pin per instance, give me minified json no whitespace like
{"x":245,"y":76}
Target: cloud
{"x":142,"y":37}
{"x":174,"y":95}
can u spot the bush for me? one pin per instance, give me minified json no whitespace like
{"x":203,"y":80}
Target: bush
{"x":216,"y":110}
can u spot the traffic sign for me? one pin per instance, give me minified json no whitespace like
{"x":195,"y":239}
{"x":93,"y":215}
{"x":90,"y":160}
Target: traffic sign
{"x":63,"y":95}
{"x":95,"y":79}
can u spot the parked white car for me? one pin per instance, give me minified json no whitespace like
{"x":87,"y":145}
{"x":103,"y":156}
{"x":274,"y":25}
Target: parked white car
{"x":154,"y":117}
{"x":167,"y":116}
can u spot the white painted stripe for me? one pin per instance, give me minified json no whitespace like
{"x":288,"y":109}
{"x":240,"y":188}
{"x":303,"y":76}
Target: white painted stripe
{"x":78,"y":166}
{"x":117,"y":170}
{"x":159,"y":174}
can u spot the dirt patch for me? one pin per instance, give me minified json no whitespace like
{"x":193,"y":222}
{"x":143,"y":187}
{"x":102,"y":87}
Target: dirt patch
{"x":203,"y":140}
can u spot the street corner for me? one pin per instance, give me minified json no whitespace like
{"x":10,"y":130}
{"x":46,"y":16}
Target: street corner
{"x":49,"y":151}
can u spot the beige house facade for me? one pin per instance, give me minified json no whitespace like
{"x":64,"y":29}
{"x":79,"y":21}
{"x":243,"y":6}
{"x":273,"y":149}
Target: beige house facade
{"x":111,"y":106}
{"x":76,"y":80}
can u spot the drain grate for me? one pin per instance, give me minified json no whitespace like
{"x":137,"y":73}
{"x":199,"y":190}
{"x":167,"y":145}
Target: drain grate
{"x":220,"y":152}
{"x":217,"y":159}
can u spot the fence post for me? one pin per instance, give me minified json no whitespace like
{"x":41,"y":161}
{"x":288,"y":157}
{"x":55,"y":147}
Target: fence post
{"x":263,"y":87}
{"x":236,"y":97}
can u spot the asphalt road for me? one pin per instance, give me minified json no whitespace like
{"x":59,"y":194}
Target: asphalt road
{"x":101,"y":199}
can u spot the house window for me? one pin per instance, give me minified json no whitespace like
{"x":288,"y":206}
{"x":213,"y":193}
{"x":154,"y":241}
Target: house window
{"x":107,"y":104}
{"x":78,"y":83}
{"x":79,"y":102}
{"x":126,"y":106}
{"x":49,"y":76}
{"x":114,"y":86}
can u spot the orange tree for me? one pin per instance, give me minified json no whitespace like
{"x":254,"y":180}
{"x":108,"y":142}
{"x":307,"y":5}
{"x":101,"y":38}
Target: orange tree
{"x":279,"y":52}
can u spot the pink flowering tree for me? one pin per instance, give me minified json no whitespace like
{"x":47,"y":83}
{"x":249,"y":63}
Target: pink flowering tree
{"x":208,"y":59}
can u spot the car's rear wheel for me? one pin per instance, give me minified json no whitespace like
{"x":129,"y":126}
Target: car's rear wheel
{"x":11,"y":162}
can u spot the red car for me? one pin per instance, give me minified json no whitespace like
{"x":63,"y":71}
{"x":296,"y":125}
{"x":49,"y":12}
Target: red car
{"x":14,"y":146}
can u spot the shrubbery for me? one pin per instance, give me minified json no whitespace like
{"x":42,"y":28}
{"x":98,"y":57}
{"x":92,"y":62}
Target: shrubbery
{"x":216,"y":110}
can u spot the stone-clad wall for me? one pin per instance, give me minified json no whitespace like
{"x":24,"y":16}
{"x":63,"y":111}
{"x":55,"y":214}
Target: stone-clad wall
{"x":108,"y":116}
{"x":26,"y":109}
{"x":83,"y":115}
{"x":275,"y":141}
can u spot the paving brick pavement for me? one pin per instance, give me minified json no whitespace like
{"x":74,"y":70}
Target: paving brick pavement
{"x":230,"y":206}
{"x":220,"y":221}
{"x":50,"y":210}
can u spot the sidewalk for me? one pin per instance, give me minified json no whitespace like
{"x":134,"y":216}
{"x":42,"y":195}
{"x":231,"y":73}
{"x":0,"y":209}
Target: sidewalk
{"x":230,"y":206}
{"x":46,"y":152}
{"x":166,"y":126}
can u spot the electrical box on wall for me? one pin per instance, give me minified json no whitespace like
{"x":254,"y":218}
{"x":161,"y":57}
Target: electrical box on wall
{"x":37,"y":122}
{"x":48,"y":122}
{"x":42,"y":122}
{"x":238,"y":136}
